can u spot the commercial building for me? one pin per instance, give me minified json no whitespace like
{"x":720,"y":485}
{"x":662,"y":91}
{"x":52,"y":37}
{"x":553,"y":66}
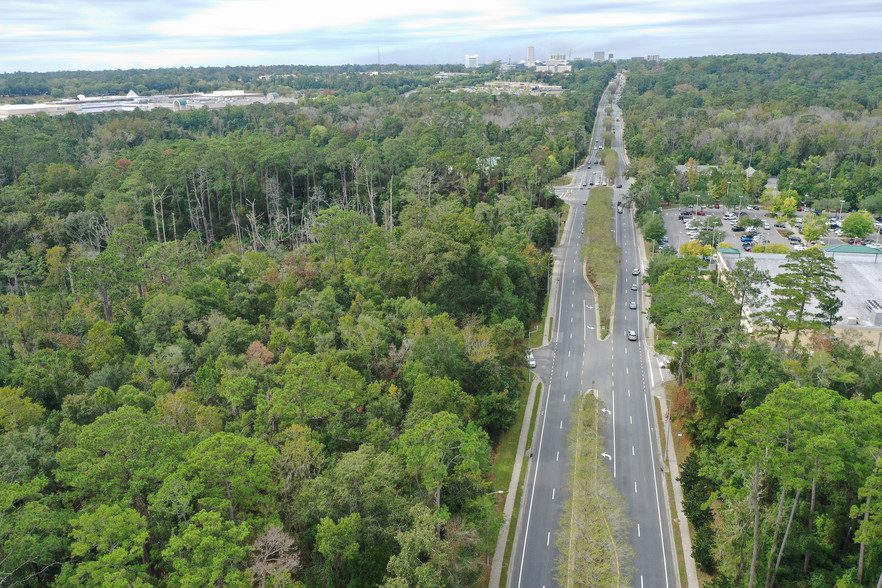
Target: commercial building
{"x":599,"y":56}
{"x":471,"y":61}
{"x":531,"y":56}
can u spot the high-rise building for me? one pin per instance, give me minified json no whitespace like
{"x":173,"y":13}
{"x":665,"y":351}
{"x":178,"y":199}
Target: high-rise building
{"x":471,"y":61}
{"x":611,"y":57}
{"x":599,"y":56}
{"x":652,"y":58}
{"x":531,"y":56}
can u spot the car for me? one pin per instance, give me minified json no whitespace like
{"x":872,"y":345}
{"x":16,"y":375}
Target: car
{"x":747,"y":246}
{"x":531,"y":360}
{"x":755,"y":207}
{"x":589,"y":166}
{"x":635,"y":271}
{"x":632,"y":335}
{"x":634,"y":286}
{"x":738,"y":228}
{"x":766,"y":226}
{"x":746,"y":238}
{"x":618,"y":185}
{"x":742,"y":213}
{"x":700,"y":213}
{"x":632,"y":305}
{"x":781,"y":225}
{"x":751,"y":229}
{"x":584,"y":184}
{"x":591,"y":183}
{"x":716,"y":205}
{"x":584,"y":202}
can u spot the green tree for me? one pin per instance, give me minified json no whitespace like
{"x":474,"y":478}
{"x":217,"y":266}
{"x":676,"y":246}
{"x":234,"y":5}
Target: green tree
{"x":438,"y":447}
{"x":209,"y":551}
{"x":858,"y":224}
{"x":807,"y":275}
{"x":420,"y":563}
{"x":122,"y":457}
{"x":109,"y":545}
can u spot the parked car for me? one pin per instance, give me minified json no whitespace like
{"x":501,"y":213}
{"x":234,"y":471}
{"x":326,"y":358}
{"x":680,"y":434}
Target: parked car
{"x":781,"y":225}
{"x":618,"y":185}
{"x":747,"y":238}
{"x":742,"y":213}
{"x":767,"y":226}
{"x":531,"y":361}
{"x":700,"y":213}
{"x":737,"y":229}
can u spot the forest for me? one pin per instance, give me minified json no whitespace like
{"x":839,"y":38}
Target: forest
{"x":782,"y":484}
{"x":271,"y":345}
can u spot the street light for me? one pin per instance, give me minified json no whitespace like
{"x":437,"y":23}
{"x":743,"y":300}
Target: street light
{"x":487,"y":530}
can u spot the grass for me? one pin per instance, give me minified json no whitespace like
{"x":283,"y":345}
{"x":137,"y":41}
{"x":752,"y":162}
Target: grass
{"x":600,"y":252}
{"x":513,"y":525}
{"x":507,"y":446}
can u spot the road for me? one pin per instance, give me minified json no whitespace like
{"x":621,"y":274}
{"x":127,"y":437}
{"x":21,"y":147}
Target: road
{"x":573,"y":363}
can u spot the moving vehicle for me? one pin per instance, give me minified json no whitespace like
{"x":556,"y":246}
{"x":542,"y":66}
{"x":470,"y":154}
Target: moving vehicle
{"x":632,"y":335}
{"x":632,"y":305}
{"x":635,"y":271}
{"x":633,"y":286}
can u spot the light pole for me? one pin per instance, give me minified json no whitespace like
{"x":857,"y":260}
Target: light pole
{"x":487,"y":530}
{"x":841,"y":202}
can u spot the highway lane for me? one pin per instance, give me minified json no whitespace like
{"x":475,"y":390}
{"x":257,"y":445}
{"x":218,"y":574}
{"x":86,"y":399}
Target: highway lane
{"x":563,"y":372}
{"x":575,"y":362}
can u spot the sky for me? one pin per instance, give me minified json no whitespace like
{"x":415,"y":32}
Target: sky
{"x":51,"y":35}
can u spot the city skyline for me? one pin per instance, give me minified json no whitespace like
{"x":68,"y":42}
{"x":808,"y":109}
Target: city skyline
{"x":52,"y":36}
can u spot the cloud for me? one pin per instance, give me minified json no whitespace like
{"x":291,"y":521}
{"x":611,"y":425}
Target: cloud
{"x":46,"y":35}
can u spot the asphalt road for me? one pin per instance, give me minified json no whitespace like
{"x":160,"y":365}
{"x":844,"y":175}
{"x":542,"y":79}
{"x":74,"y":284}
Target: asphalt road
{"x":574,"y":363}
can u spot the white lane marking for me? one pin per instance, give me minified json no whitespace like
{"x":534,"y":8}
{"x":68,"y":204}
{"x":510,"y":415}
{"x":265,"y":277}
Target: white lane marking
{"x":629,"y":394}
{"x":568,"y":353}
{"x":635,"y":486}
{"x":638,"y":529}
{"x":552,"y":493}
{"x":632,"y":450}
{"x":557,"y":457}
{"x":567,"y":374}
{"x":565,"y":398}
{"x":561,"y":425}
{"x":657,"y":499}
{"x":548,"y":539}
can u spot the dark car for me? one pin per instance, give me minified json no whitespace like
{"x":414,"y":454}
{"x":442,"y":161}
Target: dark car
{"x":632,"y":335}
{"x":737,"y":228}
{"x":742,"y":214}
{"x":747,"y":247}
{"x":618,"y":185}
{"x":781,"y":225}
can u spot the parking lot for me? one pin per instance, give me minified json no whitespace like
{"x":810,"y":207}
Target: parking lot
{"x":677,"y":229}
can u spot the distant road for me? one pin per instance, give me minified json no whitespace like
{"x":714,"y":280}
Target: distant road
{"x":575,"y":361}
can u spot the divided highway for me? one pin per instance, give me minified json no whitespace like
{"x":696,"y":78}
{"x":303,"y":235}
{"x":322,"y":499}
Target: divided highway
{"x":573,"y":363}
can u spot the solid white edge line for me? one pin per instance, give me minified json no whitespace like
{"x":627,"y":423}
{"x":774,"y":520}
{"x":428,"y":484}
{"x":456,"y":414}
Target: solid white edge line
{"x":661,"y":528}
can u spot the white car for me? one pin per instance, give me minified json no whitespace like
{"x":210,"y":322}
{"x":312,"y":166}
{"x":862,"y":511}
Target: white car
{"x":531,"y":361}
{"x":767,"y":226}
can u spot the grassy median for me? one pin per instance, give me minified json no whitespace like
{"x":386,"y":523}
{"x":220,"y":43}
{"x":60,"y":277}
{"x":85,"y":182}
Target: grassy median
{"x":600,"y":252}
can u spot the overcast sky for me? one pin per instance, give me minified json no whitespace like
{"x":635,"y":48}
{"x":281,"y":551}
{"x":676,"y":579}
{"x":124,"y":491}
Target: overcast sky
{"x":52,"y":35}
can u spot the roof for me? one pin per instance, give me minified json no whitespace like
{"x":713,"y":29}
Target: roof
{"x":851,"y":249}
{"x":728,"y":250}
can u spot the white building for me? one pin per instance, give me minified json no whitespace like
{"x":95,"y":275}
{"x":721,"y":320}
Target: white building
{"x":471,"y":61}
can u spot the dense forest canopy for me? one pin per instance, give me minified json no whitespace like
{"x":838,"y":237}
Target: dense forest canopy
{"x":814,"y":122}
{"x":270,"y":344}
